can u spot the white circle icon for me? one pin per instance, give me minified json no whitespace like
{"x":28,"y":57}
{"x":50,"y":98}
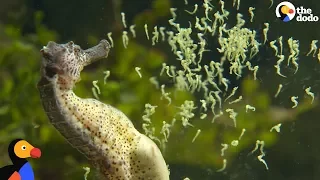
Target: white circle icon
{"x":285,"y":11}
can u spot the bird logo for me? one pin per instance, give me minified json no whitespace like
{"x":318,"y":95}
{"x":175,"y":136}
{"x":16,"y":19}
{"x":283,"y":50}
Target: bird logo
{"x":285,"y":11}
{"x":19,"y":150}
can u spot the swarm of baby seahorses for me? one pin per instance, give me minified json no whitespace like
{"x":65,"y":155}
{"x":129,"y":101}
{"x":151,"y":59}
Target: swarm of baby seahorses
{"x":101,"y":132}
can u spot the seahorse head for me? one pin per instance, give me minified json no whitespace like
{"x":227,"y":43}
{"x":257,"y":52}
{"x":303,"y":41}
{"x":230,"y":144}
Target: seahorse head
{"x":63,"y":63}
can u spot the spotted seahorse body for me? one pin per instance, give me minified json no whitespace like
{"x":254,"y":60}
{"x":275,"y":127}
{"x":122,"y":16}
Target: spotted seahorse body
{"x":101,"y":132}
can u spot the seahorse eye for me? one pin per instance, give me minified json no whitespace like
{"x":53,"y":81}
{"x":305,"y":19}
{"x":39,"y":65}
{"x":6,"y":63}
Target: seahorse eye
{"x":50,"y":71}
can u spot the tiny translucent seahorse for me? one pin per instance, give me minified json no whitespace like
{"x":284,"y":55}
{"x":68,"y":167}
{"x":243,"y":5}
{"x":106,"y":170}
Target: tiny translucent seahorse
{"x":99,"y":131}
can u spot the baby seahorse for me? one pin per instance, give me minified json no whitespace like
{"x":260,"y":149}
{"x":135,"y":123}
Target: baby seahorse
{"x":101,"y":132}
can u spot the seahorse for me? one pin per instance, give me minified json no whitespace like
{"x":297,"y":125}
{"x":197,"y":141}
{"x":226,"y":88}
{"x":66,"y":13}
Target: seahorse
{"x":102,"y":133}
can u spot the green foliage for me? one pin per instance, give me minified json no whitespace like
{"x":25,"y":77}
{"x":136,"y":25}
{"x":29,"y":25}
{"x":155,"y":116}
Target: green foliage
{"x":21,"y":112}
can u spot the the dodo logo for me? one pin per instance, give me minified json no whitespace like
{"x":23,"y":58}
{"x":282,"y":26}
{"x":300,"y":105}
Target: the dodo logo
{"x":19,"y":150}
{"x":285,"y":11}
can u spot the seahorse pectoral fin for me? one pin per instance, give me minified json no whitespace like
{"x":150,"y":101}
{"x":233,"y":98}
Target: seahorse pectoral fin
{"x":97,"y":52}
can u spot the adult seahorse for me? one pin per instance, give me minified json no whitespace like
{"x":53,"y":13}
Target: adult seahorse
{"x":101,"y":132}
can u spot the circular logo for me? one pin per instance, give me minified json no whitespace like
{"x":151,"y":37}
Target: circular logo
{"x":285,"y":11}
